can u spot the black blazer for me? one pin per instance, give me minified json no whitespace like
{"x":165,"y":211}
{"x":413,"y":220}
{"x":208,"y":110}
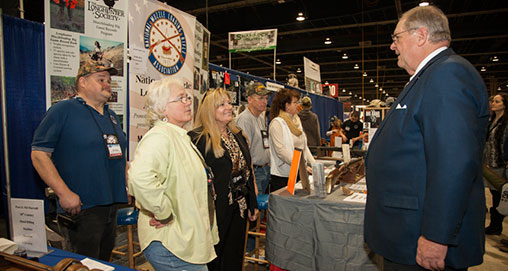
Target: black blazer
{"x":222,"y":170}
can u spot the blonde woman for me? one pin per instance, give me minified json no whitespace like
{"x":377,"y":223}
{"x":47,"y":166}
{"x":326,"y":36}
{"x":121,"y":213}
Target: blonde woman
{"x":176,"y":226}
{"x":226,"y":151}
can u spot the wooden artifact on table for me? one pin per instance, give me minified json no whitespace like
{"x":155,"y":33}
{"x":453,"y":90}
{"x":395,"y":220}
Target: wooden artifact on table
{"x":350,"y":172}
{"x":10,"y":262}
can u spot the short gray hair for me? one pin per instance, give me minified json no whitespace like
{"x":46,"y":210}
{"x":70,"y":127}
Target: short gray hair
{"x":430,"y":17}
{"x":157,"y":98}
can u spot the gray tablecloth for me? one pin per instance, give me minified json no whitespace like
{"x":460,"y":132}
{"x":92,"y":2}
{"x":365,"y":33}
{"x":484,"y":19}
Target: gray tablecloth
{"x":308,"y":233}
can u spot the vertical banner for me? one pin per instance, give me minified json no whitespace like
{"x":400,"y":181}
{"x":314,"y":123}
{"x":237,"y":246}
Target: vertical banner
{"x":201,"y":56}
{"x":79,"y":32}
{"x":161,"y":44}
{"x":312,"y":76}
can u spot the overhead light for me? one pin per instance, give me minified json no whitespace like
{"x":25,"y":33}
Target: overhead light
{"x":356,"y":67}
{"x":498,"y":88}
{"x":368,"y":101}
{"x":495,"y":59}
{"x":356,"y":95}
{"x":278,"y":62}
{"x":350,"y":93}
{"x":423,"y":4}
{"x":343,"y":90}
{"x":326,"y":82}
{"x":328,"y":41}
{"x":387,"y":94}
{"x":371,"y":80}
{"x":483,"y":69}
{"x":300,"y":17}
{"x":345,"y":56}
{"x":376,"y":85}
{"x":298,"y":70}
{"x":384,"y":91}
{"x":364,"y":74}
{"x":380,"y":89}
{"x":360,"y":97}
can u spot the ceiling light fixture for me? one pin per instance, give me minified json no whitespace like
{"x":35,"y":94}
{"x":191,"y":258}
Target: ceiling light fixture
{"x":380,"y":89}
{"x":498,"y":88}
{"x":376,"y":85}
{"x":371,"y":80}
{"x":343,"y":90}
{"x":356,"y":95}
{"x":298,"y":70}
{"x":350,"y":93}
{"x":300,"y":17}
{"x":345,"y":56}
{"x":364,"y":74}
{"x":423,"y":4}
{"x":495,"y":59}
{"x":328,"y":41}
{"x":356,"y":67}
{"x":483,"y":69}
{"x":278,"y":62}
{"x":387,"y":95}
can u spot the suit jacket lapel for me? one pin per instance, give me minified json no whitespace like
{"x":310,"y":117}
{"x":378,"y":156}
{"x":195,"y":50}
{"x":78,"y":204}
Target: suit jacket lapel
{"x":408,"y":87}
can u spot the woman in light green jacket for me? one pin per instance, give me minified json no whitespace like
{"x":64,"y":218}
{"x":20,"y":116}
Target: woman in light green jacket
{"x":176,"y":226}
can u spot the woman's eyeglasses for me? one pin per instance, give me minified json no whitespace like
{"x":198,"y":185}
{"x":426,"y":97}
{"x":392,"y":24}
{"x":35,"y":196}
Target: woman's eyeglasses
{"x":183,"y":99}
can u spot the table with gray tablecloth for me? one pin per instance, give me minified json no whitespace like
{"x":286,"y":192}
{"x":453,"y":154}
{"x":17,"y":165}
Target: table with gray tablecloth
{"x":309,"y":233}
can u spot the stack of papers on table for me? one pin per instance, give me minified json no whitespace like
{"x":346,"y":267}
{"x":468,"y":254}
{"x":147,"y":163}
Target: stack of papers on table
{"x":91,"y":264}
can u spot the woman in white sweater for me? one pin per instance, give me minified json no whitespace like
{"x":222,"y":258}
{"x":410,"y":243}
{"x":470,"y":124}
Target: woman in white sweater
{"x":286,"y":134}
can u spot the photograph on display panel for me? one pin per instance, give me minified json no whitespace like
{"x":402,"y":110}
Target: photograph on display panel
{"x":67,"y":15}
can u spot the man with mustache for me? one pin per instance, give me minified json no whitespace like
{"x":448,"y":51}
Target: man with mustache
{"x":79,"y":151}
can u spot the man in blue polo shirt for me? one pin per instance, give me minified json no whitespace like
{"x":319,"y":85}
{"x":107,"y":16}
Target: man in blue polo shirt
{"x":79,"y":151}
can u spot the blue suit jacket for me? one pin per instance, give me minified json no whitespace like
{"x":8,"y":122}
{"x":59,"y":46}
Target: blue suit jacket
{"x":424,"y":166}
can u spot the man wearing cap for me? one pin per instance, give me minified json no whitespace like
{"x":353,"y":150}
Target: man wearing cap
{"x":79,"y":151}
{"x":310,"y":123}
{"x":253,"y":122}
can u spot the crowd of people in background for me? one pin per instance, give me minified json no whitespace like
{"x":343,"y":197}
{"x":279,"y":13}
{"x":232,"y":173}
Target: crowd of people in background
{"x":196,"y":189}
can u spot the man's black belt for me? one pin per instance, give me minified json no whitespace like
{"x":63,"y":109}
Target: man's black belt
{"x":258,"y":166}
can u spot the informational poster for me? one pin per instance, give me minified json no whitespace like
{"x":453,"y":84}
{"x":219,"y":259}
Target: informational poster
{"x":82,"y":32}
{"x":28,"y":225}
{"x":312,"y":73}
{"x":201,"y":56}
{"x":162,"y":43}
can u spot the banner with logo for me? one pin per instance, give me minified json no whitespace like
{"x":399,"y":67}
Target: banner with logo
{"x":256,"y":40}
{"x":161,"y":44}
{"x":85,"y":32}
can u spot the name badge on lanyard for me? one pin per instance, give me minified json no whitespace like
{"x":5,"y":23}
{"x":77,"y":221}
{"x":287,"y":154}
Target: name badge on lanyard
{"x":264,"y":137}
{"x":113,"y":146}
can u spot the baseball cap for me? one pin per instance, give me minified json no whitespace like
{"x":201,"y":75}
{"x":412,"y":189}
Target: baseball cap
{"x":306,"y":101}
{"x":257,"y":88}
{"x":90,"y":67}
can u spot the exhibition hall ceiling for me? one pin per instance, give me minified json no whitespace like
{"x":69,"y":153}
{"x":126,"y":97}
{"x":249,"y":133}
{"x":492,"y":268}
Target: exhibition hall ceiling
{"x":479,"y":33}
{"x":358,"y":28}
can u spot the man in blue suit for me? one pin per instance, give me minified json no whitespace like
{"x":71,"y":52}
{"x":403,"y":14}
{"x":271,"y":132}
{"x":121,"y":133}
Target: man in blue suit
{"x":426,"y":202}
